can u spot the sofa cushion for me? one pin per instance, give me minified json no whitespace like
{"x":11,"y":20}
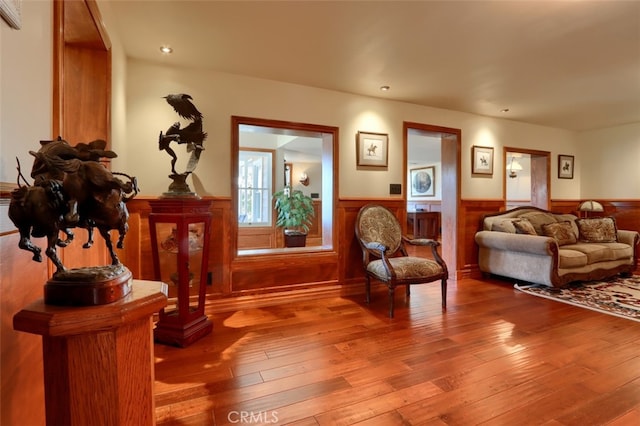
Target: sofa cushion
{"x":620,"y":250}
{"x":523,"y":226}
{"x":504,"y":225}
{"x":597,"y":230}
{"x":562,"y":232}
{"x":594,"y":252}
{"x":568,"y":259}
{"x":538,"y":219}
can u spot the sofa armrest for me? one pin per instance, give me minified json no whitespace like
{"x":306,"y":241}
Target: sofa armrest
{"x":628,"y":237}
{"x":533,"y":244}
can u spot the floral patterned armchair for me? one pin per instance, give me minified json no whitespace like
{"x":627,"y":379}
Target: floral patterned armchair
{"x":385,"y":258}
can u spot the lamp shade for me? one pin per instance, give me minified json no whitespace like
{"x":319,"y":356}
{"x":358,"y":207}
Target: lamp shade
{"x":590,"y":206}
{"x":514,"y":165}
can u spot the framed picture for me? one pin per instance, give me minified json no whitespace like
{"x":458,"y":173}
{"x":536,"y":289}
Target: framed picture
{"x":482,"y":160}
{"x":372,"y":149}
{"x":10,"y":11}
{"x":565,"y":166}
{"x":423,"y":182}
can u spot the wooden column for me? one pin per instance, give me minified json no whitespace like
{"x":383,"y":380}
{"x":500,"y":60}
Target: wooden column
{"x":98,"y":360}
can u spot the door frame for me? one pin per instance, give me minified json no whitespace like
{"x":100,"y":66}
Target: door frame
{"x":540,"y":176}
{"x":450,"y":159}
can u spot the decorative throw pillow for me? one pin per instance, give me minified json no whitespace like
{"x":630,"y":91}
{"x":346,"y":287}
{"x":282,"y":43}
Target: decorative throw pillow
{"x":523,"y":226}
{"x":598,"y":230}
{"x":538,"y":219}
{"x":562,"y":232}
{"x":505,"y":225}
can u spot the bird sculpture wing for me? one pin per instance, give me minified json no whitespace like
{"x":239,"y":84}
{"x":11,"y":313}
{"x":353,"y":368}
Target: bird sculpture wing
{"x":193,"y":160}
{"x":181,"y":103}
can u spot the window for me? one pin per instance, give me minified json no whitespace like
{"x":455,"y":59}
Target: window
{"x":255,"y":187}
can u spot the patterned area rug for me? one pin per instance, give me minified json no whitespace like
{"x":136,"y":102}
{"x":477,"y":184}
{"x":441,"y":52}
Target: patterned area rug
{"x":618,"y":296}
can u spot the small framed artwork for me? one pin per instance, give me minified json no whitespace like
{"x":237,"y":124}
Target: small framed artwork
{"x":372,"y":149}
{"x":482,"y":160}
{"x":565,"y":166}
{"x":423,"y":182}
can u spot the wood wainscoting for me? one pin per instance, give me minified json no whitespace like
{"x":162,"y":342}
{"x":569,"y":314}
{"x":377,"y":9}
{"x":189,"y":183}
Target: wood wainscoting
{"x":21,"y":367}
{"x":332,"y":271}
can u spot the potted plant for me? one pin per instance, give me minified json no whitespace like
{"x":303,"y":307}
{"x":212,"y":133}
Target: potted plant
{"x":294,"y":213}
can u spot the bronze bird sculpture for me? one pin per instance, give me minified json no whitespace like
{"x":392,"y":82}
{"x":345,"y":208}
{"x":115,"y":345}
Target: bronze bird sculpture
{"x":192,"y":134}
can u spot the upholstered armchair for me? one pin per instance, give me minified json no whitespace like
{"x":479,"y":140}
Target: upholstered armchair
{"x":385,"y":258}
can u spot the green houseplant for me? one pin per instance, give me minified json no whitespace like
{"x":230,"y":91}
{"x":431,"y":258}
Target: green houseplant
{"x":294,"y":213}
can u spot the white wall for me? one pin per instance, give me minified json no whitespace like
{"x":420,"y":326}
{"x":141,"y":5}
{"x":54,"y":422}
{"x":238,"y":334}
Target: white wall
{"x":610,"y":162}
{"x":219,"y":95}
{"x":26,"y":94}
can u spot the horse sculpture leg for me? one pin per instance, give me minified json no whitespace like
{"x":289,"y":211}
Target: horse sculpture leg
{"x":66,"y":241}
{"x":90,"y":226}
{"x":52,"y":253}
{"x":107,"y":239}
{"x":123,"y":232}
{"x":26,"y":244}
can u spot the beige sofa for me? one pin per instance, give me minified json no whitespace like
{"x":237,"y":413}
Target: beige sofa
{"x":537,"y":246}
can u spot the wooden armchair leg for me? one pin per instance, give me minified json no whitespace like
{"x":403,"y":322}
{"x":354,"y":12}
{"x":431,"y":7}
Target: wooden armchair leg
{"x":443,"y":288}
{"x":391,"y":301}
{"x":367,"y":289}
{"x":408,"y":290}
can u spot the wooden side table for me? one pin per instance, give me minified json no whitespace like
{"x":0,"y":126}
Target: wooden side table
{"x":98,"y":360}
{"x":424,"y":224}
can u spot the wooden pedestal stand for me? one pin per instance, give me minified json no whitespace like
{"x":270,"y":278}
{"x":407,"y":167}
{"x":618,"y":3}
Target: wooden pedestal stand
{"x":98,"y":360}
{"x":180,"y":229}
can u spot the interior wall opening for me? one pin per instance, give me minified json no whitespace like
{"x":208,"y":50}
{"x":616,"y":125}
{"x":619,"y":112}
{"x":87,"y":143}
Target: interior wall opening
{"x":432,"y":176}
{"x":527,"y":178}
{"x":269,"y":156}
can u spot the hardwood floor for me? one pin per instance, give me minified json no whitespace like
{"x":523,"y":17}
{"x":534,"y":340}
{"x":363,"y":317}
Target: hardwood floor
{"x":496,"y":356}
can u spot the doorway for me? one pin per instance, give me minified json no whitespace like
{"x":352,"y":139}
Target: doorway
{"x":527,"y":178}
{"x":446,"y":171}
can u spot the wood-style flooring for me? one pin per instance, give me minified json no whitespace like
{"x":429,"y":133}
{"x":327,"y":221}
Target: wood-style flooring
{"x":496,"y":357}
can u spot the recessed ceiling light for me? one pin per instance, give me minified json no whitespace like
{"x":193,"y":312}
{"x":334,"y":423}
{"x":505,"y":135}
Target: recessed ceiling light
{"x":385,"y":88}
{"x":166,"y":49}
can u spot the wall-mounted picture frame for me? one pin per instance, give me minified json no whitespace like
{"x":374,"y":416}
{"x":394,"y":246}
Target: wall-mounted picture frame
{"x":372,"y":149}
{"x":482,"y":160}
{"x":565,"y":166}
{"x":423,"y":181}
{"x":10,"y":12}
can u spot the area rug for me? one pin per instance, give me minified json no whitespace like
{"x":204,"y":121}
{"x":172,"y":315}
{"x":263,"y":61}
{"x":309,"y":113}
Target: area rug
{"x":618,"y":296}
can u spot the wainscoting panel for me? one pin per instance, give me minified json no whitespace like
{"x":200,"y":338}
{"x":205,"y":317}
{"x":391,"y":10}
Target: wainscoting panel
{"x":21,"y":370}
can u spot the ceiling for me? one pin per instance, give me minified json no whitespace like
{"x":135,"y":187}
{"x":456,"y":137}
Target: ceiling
{"x":565,"y":64}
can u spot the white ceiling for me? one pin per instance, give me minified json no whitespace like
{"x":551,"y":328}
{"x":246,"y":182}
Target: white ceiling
{"x":566,"y":64}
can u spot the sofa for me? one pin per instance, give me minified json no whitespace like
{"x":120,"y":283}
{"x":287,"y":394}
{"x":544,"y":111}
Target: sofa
{"x":537,"y":246}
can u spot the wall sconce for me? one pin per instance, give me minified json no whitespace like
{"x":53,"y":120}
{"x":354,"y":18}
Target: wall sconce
{"x":513,"y":168}
{"x":304,"y":179}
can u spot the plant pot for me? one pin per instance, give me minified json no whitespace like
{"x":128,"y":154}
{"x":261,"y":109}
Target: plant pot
{"x":294,"y":238}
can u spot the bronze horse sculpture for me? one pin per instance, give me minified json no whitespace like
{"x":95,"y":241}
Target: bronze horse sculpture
{"x":71,"y":189}
{"x":37,"y":211}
